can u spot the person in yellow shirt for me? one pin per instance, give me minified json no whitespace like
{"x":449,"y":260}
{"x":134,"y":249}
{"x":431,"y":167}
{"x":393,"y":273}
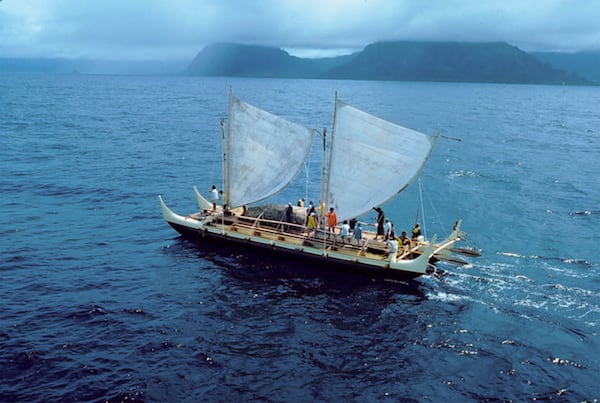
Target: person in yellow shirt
{"x":416,"y":231}
{"x":311,"y":224}
{"x":404,"y":241}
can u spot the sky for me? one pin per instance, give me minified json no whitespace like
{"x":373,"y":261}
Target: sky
{"x":179,"y":29}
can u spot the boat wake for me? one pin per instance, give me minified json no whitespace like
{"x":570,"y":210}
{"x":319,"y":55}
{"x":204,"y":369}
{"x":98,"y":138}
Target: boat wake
{"x":576,"y":261}
{"x":545,"y":289}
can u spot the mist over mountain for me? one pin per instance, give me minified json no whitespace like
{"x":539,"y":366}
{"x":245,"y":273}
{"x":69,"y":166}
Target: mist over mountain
{"x":496,"y":62}
{"x":232,"y":59}
{"x":586,"y":64}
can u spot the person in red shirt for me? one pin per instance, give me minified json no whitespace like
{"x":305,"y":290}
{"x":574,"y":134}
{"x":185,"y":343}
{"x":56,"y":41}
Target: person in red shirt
{"x":331,"y":220}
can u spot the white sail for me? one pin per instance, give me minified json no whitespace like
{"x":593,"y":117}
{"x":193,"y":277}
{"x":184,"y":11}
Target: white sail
{"x":371,"y":160}
{"x":263,"y":153}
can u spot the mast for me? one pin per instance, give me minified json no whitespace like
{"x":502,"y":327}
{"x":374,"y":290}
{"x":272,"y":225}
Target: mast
{"x":331,"y":146}
{"x":225,"y":141}
{"x":323,"y":170}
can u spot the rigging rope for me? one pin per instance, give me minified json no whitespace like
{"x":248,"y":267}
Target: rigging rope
{"x":214,"y":167}
{"x":422,"y":209}
{"x":307,"y":175}
{"x":435,"y":211}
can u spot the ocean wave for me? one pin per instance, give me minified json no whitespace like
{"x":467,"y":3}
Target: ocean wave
{"x":461,"y":173}
{"x":584,"y":212}
{"x":575,"y":261}
{"x":88,"y":312}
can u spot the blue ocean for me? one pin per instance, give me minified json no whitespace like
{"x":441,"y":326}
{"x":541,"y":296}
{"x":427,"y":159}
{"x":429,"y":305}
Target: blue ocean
{"x":100,"y":300}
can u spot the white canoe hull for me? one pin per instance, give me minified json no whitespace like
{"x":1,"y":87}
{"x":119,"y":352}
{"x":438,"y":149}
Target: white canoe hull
{"x":227,"y":229}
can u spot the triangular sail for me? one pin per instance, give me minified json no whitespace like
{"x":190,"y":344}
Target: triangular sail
{"x":371,"y":160}
{"x":263,"y":153}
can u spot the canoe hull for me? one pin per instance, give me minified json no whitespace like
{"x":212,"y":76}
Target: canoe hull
{"x":209,"y":230}
{"x":322,"y":261}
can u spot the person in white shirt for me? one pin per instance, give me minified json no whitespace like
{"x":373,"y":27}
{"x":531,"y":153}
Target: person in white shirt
{"x":345,"y":231}
{"x":214,"y":197}
{"x":387,"y":229}
{"x":393,"y":245}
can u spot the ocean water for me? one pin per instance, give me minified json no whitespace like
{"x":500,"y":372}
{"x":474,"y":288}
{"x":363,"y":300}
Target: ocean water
{"x":101,"y":301}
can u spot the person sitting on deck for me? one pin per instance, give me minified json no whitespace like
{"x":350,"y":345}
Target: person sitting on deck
{"x":416,"y":231}
{"x":405,"y":242}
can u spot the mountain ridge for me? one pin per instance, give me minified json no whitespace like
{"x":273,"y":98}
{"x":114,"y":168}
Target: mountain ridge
{"x":491,"y":62}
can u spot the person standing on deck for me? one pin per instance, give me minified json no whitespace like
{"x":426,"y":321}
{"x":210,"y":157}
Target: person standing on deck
{"x":387,"y":229}
{"x":393,"y":245}
{"x":344,"y":231}
{"x":331,"y":220}
{"x":357,"y":233}
{"x":222,"y":197}
{"x":309,"y":210}
{"x":289,"y":212}
{"x":321,"y":213}
{"x":311,"y":224}
{"x":214,"y":197}
{"x":380,"y":220}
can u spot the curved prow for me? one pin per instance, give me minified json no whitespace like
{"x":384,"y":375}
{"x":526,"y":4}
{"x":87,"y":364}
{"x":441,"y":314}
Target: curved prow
{"x":455,"y":235}
{"x":181,"y":224}
{"x":427,"y":253}
{"x":202,"y":202}
{"x":456,"y":232}
{"x":420,"y":264}
{"x":167,"y":214}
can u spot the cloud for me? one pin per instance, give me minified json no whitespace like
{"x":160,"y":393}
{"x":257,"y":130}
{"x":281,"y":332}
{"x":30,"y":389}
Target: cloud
{"x":178,"y":29}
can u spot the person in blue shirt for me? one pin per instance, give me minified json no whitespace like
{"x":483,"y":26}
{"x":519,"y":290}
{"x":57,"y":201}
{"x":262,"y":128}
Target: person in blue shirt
{"x":357,"y":233}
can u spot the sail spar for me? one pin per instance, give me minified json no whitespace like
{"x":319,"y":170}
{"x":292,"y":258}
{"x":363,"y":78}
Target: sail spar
{"x":263,"y":153}
{"x":370,"y":160}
